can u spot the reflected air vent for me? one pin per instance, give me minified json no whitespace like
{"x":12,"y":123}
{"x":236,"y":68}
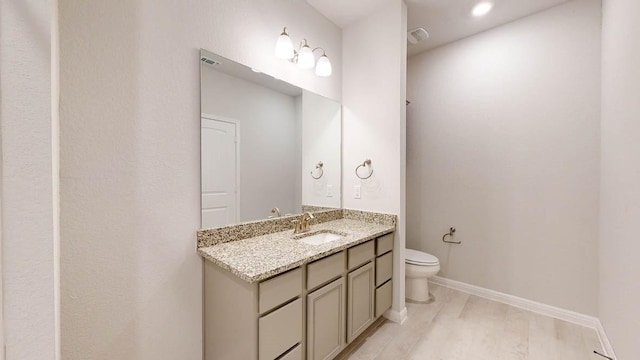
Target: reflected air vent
{"x":416,"y":35}
{"x":208,"y":61}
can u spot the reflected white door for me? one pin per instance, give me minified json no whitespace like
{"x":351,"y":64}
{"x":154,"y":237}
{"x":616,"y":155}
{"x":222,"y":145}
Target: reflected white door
{"x":219,"y":172}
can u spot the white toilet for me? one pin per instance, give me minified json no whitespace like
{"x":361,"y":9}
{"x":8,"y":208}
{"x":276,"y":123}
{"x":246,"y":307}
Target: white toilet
{"x":419,"y":267}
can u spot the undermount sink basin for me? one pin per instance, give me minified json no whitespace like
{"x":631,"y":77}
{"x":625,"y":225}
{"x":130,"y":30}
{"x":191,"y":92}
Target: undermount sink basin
{"x":319,"y":238}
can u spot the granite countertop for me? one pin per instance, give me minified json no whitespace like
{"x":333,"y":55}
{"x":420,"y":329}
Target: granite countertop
{"x":259,"y":258}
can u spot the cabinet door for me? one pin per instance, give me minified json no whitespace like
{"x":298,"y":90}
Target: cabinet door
{"x":326,"y":321}
{"x":360,"y":300}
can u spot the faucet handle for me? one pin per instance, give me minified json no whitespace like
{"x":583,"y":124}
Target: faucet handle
{"x":297,"y":226}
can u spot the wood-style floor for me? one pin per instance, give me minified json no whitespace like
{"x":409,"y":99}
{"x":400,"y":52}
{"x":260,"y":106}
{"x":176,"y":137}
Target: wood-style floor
{"x":459,"y":326}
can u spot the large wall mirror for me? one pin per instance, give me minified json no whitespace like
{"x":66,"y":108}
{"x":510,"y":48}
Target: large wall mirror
{"x":268,"y":148}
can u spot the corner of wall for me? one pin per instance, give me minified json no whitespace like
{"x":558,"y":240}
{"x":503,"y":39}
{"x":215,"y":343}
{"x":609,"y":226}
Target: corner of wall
{"x":374,"y":121}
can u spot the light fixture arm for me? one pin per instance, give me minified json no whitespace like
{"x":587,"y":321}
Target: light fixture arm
{"x":294,"y":59}
{"x":303,"y":43}
{"x":319,"y":48}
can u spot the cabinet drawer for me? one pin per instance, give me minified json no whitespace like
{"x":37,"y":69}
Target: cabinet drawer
{"x":280,"y":289}
{"x":294,"y":354}
{"x":279,"y":331}
{"x":360,"y":254}
{"x":383,"y":298}
{"x":323,"y":270}
{"x":384,"y":268}
{"x":384,"y":244}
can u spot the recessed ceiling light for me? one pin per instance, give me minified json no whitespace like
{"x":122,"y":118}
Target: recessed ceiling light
{"x":482,"y":8}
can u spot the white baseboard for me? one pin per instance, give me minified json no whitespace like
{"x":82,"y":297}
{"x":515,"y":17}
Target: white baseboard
{"x":604,"y":340}
{"x":396,"y":316}
{"x":533,"y":306}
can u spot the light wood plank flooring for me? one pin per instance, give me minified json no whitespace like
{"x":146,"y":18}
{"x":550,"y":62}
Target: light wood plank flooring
{"x":459,"y":326}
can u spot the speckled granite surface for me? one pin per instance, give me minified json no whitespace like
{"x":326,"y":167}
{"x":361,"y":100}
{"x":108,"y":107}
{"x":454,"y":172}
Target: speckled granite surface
{"x":261,"y":257}
{"x":313,"y":208}
{"x":209,"y":237}
{"x":378,"y":218}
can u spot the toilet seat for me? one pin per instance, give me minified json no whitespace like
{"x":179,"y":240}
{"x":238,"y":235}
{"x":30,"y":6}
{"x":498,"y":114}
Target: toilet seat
{"x":419,"y":258}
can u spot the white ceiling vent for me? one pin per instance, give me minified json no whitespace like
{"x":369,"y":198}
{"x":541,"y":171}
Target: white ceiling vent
{"x":416,"y":35}
{"x":210,"y":61}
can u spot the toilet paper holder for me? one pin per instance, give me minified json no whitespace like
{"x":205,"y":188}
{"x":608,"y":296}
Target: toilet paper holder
{"x":452,"y":230}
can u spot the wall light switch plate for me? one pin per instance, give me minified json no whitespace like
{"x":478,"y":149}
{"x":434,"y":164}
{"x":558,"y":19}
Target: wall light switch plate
{"x":329,"y":190}
{"x":356,"y":192}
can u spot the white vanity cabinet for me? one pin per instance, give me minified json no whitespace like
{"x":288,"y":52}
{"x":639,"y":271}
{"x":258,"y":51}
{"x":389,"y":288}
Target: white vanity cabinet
{"x":311,"y":312}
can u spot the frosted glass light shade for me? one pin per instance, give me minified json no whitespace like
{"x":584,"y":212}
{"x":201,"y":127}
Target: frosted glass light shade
{"x":284,"y":47}
{"x":323,"y":68}
{"x":306,"y":59}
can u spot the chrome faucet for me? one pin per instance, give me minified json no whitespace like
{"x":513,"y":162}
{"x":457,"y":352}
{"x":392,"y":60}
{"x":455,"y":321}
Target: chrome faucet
{"x":276,"y":211}
{"x":302,"y":225}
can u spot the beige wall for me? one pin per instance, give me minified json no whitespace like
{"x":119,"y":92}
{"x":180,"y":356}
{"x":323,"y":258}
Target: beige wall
{"x":130,"y":143}
{"x":619,"y":245}
{"x":374,"y":120}
{"x":503,"y":144}
{"x":29,"y":182}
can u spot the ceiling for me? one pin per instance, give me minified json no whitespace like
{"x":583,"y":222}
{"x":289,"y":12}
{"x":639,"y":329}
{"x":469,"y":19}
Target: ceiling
{"x":345,"y":12}
{"x":445,"y":20}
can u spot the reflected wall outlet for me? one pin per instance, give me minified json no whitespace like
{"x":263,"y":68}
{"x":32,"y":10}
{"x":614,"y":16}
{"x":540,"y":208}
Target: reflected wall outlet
{"x":356,"y":192}
{"x":329,"y":190}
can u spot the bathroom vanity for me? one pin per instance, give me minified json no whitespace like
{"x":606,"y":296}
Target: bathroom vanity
{"x":275,"y":297}
{"x":270,"y":294}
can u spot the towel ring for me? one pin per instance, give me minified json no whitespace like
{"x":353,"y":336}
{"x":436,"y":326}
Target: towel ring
{"x":365,"y":163}
{"x":319,"y":166}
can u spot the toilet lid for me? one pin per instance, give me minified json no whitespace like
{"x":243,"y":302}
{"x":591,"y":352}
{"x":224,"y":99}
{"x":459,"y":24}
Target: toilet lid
{"x":416,"y":257}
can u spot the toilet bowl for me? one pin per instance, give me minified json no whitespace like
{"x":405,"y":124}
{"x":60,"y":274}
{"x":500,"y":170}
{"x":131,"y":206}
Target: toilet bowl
{"x":419,"y":267}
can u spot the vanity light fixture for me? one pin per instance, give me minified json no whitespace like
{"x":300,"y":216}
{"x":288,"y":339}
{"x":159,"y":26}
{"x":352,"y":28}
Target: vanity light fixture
{"x":482,"y":8}
{"x":306,"y":60}
{"x":323,"y":68}
{"x":304,"y":57}
{"x":284,"y":46}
